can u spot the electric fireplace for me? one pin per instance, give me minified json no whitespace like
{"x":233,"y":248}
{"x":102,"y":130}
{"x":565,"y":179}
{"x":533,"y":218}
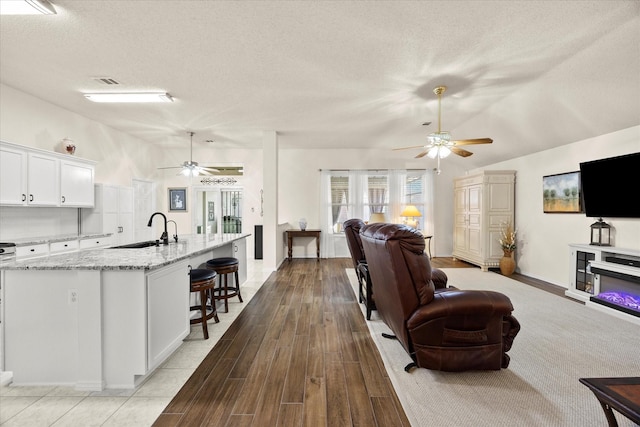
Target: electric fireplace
{"x":618,"y":291}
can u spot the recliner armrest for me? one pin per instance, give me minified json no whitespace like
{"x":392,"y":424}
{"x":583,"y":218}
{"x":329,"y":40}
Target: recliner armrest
{"x":461,"y":303}
{"x":439,"y":278}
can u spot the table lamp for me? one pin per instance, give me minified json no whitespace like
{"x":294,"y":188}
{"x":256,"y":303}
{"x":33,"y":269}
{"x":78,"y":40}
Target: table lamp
{"x":411,"y":212}
{"x":377,"y":217}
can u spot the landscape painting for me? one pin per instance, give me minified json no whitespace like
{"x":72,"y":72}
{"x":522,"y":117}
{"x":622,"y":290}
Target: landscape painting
{"x":561,"y":193}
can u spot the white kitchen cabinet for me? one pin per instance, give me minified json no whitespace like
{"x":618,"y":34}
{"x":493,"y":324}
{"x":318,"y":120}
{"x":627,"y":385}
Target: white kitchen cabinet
{"x":110,"y":327}
{"x":35,"y":250}
{"x":62,"y":247}
{"x":95,"y":242}
{"x":13,"y":176}
{"x":34,"y":177}
{"x":240,"y":252}
{"x":43,"y":184}
{"x":112,"y":213}
{"x":483,"y":204}
{"x":76,"y":184}
{"x":167,"y":311}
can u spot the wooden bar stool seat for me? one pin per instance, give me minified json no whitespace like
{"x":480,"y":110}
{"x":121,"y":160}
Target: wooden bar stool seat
{"x":224,"y":266}
{"x":203,"y":281}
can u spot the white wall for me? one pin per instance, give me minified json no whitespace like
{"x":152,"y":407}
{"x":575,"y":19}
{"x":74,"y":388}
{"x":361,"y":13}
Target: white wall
{"x":299,"y":188}
{"x":543,"y":238}
{"x":30,"y":121}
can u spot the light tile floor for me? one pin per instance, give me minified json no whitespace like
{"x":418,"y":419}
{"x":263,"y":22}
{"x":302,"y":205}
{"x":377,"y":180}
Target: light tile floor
{"x":64,"y":406}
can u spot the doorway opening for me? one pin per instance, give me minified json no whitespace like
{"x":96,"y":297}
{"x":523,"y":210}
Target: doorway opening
{"x":218,"y":211}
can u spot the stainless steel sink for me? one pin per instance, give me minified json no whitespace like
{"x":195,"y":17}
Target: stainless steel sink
{"x":137,"y":245}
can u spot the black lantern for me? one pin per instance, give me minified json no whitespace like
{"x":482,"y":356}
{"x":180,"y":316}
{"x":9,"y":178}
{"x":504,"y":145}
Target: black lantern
{"x":600,"y":233}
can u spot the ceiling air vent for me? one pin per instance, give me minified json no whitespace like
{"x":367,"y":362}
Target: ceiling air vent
{"x":106,"y":81}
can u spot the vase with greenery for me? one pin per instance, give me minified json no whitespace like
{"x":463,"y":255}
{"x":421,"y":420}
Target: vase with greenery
{"x":508,"y":244}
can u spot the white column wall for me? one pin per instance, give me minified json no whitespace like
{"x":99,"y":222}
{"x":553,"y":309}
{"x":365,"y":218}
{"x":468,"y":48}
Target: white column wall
{"x":271,"y":255}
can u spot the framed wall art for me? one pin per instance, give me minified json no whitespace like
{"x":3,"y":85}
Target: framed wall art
{"x":561,"y":193}
{"x":178,"y":199}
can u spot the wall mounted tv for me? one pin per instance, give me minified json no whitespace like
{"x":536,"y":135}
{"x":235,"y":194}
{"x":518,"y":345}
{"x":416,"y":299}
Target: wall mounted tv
{"x":610,"y":187}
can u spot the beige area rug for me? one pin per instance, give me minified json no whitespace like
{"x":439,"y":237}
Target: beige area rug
{"x":560,"y":342}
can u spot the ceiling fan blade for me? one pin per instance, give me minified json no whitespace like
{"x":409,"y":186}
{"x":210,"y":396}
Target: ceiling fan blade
{"x":172,"y":167}
{"x":474,"y":141}
{"x":407,"y":148}
{"x":424,"y":153}
{"x":461,"y":152}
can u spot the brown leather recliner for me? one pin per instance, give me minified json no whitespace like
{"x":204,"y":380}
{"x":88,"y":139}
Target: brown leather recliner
{"x":352,"y":229}
{"x":450,"y":330}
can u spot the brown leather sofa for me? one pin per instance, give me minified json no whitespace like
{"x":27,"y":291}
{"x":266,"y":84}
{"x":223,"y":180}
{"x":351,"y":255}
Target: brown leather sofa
{"x":453,"y":330}
{"x":352,"y":229}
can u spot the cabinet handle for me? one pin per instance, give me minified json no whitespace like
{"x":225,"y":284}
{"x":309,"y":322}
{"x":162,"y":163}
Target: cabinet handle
{"x":63,"y":199}
{"x":24,"y":197}
{"x":31,"y":197}
{"x":32,"y":250}
{"x":120,"y":230}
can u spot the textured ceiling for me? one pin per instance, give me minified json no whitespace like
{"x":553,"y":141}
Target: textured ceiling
{"x":532,"y":75}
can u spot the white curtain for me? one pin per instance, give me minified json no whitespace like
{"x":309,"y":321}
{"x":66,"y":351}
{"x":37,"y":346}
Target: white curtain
{"x":357,"y":193}
{"x":428,"y":184}
{"x":327,"y":249}
{"x":397,"y":180}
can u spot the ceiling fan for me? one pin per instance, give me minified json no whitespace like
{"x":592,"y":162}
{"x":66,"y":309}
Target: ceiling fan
{"x":439,"y":144}
{"x":191,"y":168}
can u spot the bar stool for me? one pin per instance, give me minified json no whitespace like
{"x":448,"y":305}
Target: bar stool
{"x":203,"y":281}
{"x":224,"y":266}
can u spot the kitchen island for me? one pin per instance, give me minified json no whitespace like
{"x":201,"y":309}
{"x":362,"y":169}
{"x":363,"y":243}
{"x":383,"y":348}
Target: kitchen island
{"x":102,"y":318}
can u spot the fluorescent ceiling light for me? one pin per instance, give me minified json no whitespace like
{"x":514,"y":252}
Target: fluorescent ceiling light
{"x":129,"y":97}
{"x":26,"y":7}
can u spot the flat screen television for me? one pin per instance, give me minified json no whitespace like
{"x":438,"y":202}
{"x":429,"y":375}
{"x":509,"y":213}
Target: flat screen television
{"x":611,"y":187}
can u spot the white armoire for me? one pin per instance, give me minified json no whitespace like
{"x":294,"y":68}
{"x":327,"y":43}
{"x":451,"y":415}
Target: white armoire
{"x":483,"y":204}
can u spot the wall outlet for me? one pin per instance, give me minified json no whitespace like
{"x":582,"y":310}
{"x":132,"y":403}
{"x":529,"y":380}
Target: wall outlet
{"x":73,"y":296}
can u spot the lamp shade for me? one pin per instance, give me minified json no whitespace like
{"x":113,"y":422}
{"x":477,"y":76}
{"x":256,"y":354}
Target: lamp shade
{"x":377,"y":217}
{"x":411,"y":212}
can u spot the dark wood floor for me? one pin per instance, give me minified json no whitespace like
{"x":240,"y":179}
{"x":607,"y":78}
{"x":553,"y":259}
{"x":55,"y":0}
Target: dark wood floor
{"x":300,"y":354}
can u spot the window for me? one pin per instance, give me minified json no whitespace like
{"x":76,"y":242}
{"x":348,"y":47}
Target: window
{"x":340,"y":211}
{"x":359,"y":194}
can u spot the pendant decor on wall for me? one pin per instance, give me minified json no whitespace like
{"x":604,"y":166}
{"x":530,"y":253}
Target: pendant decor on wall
{"x":218,"y":181}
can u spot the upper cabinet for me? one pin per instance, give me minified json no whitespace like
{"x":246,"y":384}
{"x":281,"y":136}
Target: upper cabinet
{"x":76,"y":184}
{"x":43,"y":182}
{"x":13,"y":176}
{"x":33,"y":177}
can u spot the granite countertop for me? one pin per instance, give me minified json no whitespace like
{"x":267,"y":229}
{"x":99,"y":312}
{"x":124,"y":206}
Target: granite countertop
{"x":40,"y":240}
{"x":125,"y":259}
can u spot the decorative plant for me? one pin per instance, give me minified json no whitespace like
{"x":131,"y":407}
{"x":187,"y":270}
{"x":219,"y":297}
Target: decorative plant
{"x":507,"y":237}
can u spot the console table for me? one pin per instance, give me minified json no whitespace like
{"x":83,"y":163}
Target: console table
{"x":621,"y":394}
{"x":303,"y":233}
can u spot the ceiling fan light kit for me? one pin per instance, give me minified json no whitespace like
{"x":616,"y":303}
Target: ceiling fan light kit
{"x":191,"y":168}
{"x":439,"y":144}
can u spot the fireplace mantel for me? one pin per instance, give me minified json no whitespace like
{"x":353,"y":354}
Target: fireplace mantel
{"x":589,"y":263}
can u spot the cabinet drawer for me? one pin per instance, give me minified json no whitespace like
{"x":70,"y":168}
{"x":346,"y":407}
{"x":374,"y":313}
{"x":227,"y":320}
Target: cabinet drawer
{"x":95,"y":242}
{"x":32,"y":250}
{"x":67,"y":246}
